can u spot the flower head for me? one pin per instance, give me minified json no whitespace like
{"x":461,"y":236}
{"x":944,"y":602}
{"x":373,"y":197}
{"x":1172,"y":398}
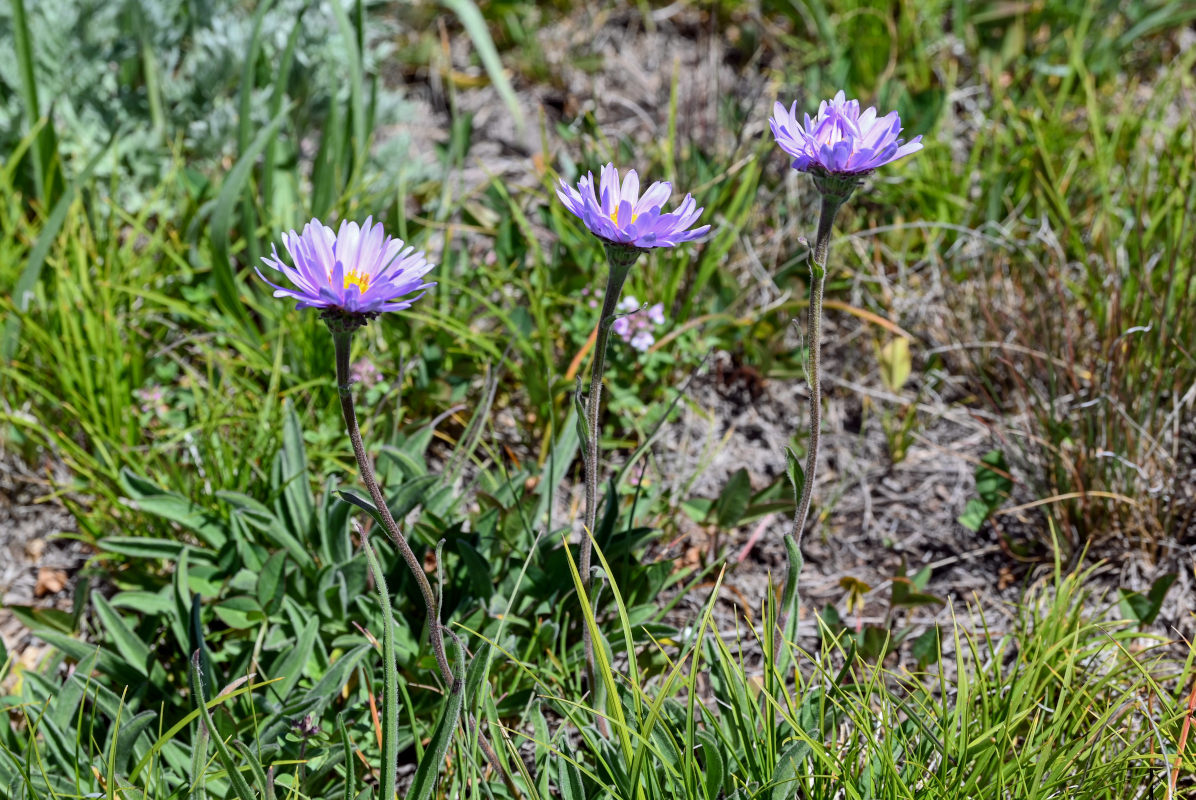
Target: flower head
{"x":841,"y":140}
{"x":619,"y":214}
{"x":355,"y":271}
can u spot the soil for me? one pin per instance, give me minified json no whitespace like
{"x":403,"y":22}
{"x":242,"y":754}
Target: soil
{"x":38,"y":566}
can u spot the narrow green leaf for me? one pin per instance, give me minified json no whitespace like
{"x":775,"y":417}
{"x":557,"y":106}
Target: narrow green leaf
{"x":338,"y":674}
{"x":713,"y":764}
{"x":22,"y":292}
{"x":290,"y":666}
{"x":270,"y":580}
{"x":147,"y":496}
{"x":797,"y":475}
{"x":197,"y":643}
{"x":116,"y":630}
{"x":126,"y":737}
{"x":356,"y":84}
{"x":390,"y":678}
{"x":475,"y":25}
{"x":239,"y":611}
{"x":108,"y":662}
{"x":429,"y":766}
{"x":569,"y":783}
{"x":347,"y":748}
{"x":154,"y":549}
{"x":926,"y":648}
{"x":784,"y":779}
{"x":300,"y":503}
{"x":367,"y":505}
{"x":733,"y":500}
{"x":240,"y":786}
{"x":262,"y":519}
{"x":68,"y":697}
{"x":277,"y":97}
{"x":227,"y":292}
{"x":199,"y":764}
{"x":255,"y":766}
{"x":23,"y":44}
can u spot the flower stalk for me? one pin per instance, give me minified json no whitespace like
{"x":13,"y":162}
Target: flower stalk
{"x":621,"y":258}
{"x":628,"y":223}
{"x":826,"y":218}
{"x":342,"y":327}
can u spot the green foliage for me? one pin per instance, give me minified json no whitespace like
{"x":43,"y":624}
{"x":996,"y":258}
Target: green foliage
{"x":1144,"y":609}
{"x":761,"y":733}
{"x":185,"y":81}
{"x":993,"y":485}
{"x":874,"y":643}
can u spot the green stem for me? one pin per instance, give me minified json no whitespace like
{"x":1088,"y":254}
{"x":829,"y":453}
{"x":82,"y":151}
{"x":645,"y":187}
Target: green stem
{"x":342,"y":340}
{"x":826,"y":218}
{"x":620,"y":259}
{"x":831,"y":203}
{"x":390,"y":682}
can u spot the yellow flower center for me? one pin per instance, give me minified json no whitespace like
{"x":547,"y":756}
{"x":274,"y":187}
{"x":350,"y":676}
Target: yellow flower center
{"x":614,"y":216}
{"x":359,"y":279}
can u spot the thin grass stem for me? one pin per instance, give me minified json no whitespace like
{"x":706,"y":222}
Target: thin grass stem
{"x":390,"y":681}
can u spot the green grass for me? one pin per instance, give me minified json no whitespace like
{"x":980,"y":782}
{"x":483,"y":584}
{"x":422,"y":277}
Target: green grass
{"x":1061,"y":702}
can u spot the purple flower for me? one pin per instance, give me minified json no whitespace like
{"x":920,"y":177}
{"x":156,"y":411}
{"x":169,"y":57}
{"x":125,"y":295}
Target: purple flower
{"x":636,"y":328}
{"x":642,"y":340}
{"x":841,"y":140}
{"x":623,"y":216}
{"x":356,"y":270}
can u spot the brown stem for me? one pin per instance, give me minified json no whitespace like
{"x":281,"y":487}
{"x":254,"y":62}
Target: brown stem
{"x":342,"y":340}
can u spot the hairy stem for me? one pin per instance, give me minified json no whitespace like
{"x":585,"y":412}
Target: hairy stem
{"x":620,"y":259}
{"x":342,"y":340}
{"x":826,"y":218}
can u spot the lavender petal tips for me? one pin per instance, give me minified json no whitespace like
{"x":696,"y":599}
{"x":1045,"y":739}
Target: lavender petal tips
{"x":617,"y":213}
{"x":356,"y":270}
{"x":840,"y":140}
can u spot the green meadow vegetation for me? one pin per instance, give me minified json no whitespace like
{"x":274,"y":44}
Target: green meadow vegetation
{"x":226,"y":636}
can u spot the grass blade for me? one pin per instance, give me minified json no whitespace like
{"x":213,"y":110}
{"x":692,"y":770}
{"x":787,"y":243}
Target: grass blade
{"x":23,"y":291}
{"x":429,"y":765}
{"x":42,"y":149}
{"x":222,"y":215}
{"x":240,"y":785}
{"x":390,"y":685}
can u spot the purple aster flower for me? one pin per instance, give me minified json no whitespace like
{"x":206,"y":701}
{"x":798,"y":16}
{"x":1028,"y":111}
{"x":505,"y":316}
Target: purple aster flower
{"x":621,"y":215}
{"x":356,"y":270}
{"x":841,"y":140}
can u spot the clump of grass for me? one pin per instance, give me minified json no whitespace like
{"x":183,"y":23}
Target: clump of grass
{"x":1064,"y":701}
{"x":1086,"y":302}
